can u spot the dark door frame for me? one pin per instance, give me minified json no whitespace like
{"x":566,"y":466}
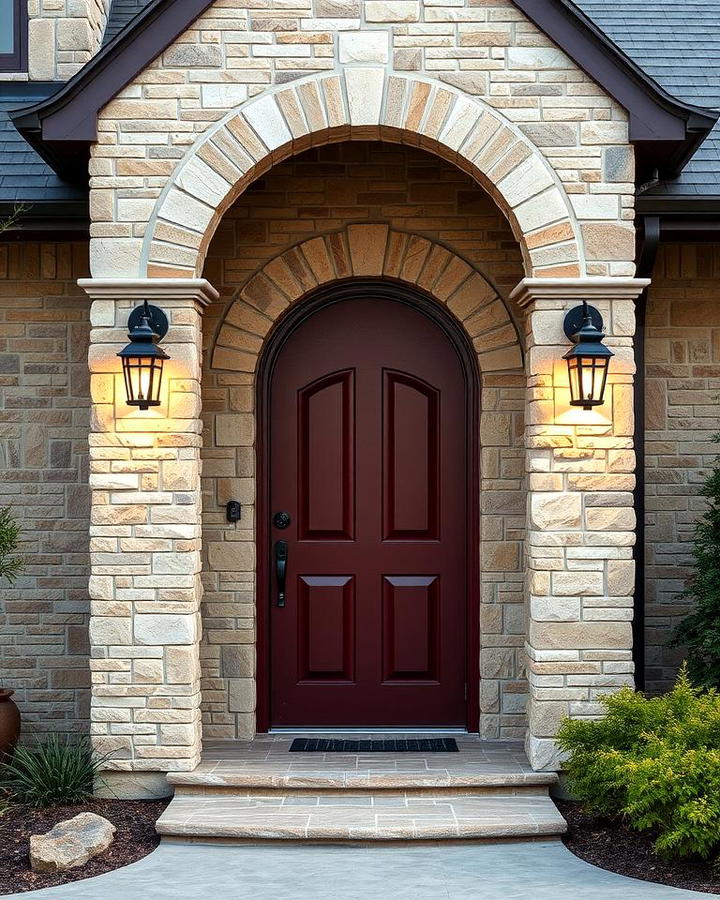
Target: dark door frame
{"x":381,"y":289}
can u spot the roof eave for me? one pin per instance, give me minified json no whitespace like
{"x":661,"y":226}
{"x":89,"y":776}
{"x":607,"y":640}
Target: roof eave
{"x":655,"y":115}
{"x":70,"y":115}
{"x":53,"y":219}
{"x":56,"y":127}
{"x":678,"y":204}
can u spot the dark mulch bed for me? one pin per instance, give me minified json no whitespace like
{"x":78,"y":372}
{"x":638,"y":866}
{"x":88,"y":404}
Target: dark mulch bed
{"x":610,"y":845}
{"x":135,"y":837}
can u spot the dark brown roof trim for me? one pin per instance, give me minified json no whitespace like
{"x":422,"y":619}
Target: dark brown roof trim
{"x":60,"y":126}
{"x":697,"y":230}
{"x":55,"y":220}
{"x":655,"y":115}
{"x":677,"y":204}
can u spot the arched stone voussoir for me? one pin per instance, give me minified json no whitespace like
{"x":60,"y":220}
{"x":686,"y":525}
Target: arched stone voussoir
{"x":367,"y":250}
{"x":358,"y":104}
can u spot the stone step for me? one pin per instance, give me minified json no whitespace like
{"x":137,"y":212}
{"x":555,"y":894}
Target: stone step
{"x":207,"y":781}
{"x":380,"y":816}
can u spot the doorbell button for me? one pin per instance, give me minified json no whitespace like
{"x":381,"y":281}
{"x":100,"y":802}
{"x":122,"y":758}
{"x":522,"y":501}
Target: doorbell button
{"x":233,"y":511}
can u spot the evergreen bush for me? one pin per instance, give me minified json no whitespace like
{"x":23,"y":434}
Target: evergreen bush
{"x":654,"y":762}
{"x":699,"y":632}
{"x":10,"y":564}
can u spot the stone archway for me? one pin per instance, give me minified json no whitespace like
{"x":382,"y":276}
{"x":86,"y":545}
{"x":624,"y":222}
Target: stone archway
{"x":368,"y":250}
{"x":363,"y":103}
{"x":146,"y":469}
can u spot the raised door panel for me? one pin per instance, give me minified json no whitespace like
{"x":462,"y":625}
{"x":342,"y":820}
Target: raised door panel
{"x":326,"y":488}
{"x":411,"y":628}
{"x":411,"y":479}
{"x":326,"y":632}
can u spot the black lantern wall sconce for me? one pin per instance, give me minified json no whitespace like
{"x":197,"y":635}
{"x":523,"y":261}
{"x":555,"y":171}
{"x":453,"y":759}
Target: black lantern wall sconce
{"x":142,"y":359}
{"x":589,"y":360}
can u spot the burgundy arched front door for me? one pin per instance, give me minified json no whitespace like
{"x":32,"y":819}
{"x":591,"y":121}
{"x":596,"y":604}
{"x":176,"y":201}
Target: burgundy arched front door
{"x":368,"y":458}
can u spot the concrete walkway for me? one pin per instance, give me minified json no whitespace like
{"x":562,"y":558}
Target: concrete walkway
{"x":542,"y":870}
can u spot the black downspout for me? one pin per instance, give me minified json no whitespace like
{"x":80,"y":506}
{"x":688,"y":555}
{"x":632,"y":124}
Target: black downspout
{"x":647,"y":253}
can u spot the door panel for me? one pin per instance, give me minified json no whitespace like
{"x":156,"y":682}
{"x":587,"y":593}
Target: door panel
{"x":411,"y":481}
{"x":411,"y":628}
{"x":326,"y":487}
{"x":326,"y":627}
{"x":368,"y":455}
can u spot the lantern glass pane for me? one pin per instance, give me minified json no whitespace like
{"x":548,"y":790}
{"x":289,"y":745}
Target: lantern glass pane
{"x":588,"y":375}
{"x":605,"y":366}
{"x":574,"y":374}
{"x":588,"y":379}
{"x":143,"y":377}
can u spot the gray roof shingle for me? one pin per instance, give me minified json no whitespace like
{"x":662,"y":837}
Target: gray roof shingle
{"x":121,"y":12}
{"x":24,"y":176}
{"x":677,"y":42}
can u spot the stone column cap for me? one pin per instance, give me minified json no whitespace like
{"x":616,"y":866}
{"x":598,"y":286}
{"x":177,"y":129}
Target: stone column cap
{"x":599,"y":287}
{"x":198,"y":289}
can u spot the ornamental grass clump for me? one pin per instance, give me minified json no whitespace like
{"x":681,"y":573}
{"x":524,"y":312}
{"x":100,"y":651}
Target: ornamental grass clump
{"x":655,"y":763}
{"x":56,"y":770}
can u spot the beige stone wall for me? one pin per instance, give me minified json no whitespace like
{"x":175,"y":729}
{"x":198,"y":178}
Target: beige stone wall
{"x":681,"y":416}
{"x":318,"y":193}
{"x":63,"y":35}
{"x":477,"y":83}
{"x":44,"y":415}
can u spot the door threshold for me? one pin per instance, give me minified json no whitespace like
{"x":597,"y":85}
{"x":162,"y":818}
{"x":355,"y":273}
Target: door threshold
{"x":372,"y":730}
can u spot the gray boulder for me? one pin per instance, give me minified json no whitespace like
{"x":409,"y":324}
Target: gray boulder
{"x":71,"y":843}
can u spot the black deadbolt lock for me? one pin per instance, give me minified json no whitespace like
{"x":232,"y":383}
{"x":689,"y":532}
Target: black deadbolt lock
{"x":233,"y":510}
{"x":281,"y":520}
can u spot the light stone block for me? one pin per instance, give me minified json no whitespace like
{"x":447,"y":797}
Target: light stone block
{"x":165,"y":629}
{"x":364,"y":47}
{"x":364,"y":95}
{"x":392,"y":11}
{"x":462,"y":118}
{"x":555,"y":609}
{"x":268,"y":122}
{"x":223,"y":95}
{"x":556,"y":512}
{"x":199,"y":180}
{"x":110,"y":630}
{"x":115,"y":257}
{"x":538,"y":58}
{"x":595,"y":206}
{"x":528,"y":179}
{"x":540,"y":210}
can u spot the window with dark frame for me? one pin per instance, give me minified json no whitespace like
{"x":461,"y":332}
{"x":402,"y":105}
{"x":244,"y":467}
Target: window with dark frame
{"x":13,"y":35}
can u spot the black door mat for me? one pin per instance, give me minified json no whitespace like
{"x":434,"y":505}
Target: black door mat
{"x":390,"y":745}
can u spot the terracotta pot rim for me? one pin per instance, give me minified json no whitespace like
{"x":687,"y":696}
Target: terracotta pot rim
{"x":5,"y":694}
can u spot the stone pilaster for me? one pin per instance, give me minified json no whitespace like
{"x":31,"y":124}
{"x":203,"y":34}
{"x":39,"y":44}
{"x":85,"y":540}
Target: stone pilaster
{"x":145,"y":538}
{"x":581,"y":521}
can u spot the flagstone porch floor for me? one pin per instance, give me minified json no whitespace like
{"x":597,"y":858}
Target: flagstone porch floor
{"x":259,"y":791}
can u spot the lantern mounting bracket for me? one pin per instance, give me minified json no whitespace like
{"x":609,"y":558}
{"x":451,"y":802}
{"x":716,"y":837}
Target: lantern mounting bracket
{"x":575,"y":319}
{"x":158,"y":320}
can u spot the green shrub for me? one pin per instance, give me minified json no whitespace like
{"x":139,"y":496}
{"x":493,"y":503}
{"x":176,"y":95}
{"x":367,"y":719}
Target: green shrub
{"x":55,"y":770}
{"x":655,"y":762}
{"x":699,"y":632}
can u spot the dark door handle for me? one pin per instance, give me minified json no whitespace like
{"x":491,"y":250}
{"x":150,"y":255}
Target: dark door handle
{"x":281,"y":555}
